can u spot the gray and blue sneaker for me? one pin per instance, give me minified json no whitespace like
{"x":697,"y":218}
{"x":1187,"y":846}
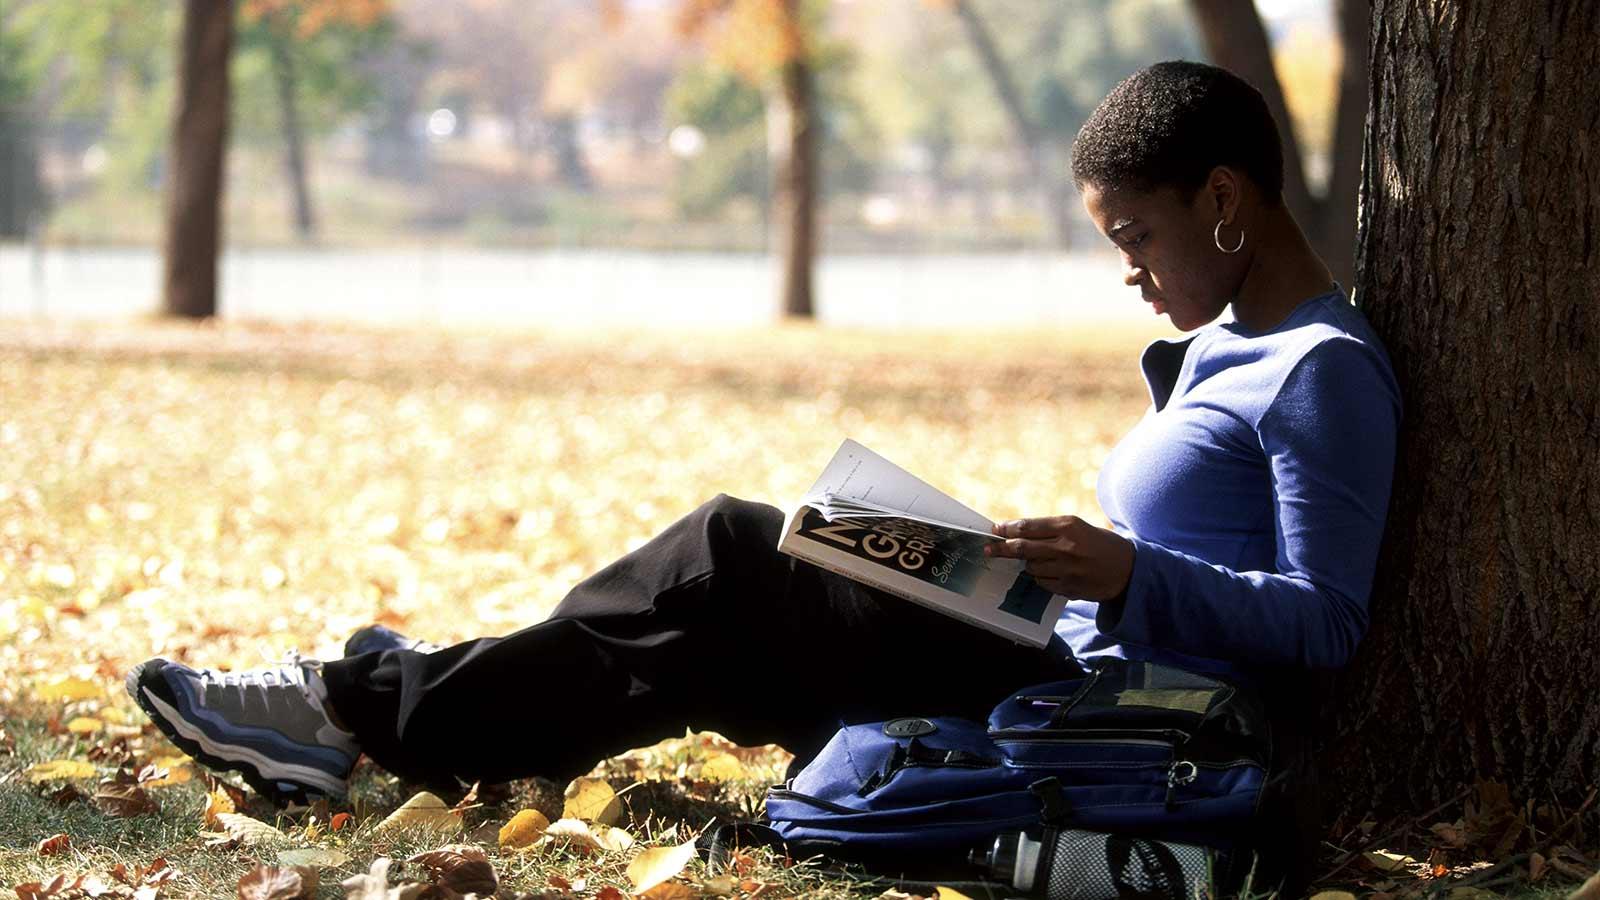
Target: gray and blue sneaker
{"x":270,"y":724}
{"x":377,"y":638}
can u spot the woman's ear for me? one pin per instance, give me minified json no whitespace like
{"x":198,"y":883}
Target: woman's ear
{"x":1222,"y":193}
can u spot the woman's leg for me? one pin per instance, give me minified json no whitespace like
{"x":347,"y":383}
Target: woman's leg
{"x":706,"y":626}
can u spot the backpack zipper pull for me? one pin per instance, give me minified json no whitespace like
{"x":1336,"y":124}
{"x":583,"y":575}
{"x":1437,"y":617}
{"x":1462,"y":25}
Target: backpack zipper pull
{"x":1180,"y":773}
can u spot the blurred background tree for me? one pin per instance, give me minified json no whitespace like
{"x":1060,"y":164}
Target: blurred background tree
{"x":538,"y":125}
{"x":1236,"y":39}
{"x":309,"y":57}
{"x":201,"y":113}
{"x":774,"y":44}
{"x":23,"y":197}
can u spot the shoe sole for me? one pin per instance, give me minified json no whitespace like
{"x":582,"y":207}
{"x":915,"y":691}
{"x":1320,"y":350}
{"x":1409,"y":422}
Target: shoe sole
{"x":267,"y":787}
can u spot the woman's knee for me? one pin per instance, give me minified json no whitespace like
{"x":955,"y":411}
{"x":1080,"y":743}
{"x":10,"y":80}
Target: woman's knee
{"x":745,"y":522}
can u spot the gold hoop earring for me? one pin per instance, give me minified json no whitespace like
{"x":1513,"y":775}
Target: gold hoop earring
{"x":1216,"y":238}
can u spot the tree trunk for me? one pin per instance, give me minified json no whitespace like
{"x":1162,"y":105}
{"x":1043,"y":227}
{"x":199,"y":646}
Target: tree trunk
{"x":1236,"y":40}
{"x":570,"y":165}
{"x":22,"y":197}
{"x":294,"y":143}
{"x":199,"y":145}
{"x":798,"y":188}
{"x":1479,"y":265}
{"x":1060,"y":206}
{"x":1334,"y":234}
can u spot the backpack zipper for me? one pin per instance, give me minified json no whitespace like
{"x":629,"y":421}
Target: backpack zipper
{"x":1180,"y":773}
{"x":1161,"y":737}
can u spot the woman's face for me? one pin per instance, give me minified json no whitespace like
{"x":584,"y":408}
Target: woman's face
{"x":1168,"y":251}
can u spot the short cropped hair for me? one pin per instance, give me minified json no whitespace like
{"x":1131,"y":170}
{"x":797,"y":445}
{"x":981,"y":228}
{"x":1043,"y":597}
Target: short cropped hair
{"x":1170,"y":124}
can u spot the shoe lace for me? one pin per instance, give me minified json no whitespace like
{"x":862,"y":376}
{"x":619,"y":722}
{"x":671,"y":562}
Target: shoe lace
{"x":290,"y":671}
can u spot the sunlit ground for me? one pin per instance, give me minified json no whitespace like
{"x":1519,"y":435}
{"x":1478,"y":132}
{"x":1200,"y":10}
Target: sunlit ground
{"x":220,"y":494}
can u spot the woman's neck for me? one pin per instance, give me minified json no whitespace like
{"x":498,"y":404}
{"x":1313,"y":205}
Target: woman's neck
{"x":1284,"y":272}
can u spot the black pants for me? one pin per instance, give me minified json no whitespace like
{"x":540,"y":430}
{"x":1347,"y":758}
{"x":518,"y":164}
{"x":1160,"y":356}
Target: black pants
{"x":706,"y":626}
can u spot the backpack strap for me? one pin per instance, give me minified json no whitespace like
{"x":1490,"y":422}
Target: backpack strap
{"x":915,"y":753}
{"x":1054,"y":810}
{"x":716,"y":846}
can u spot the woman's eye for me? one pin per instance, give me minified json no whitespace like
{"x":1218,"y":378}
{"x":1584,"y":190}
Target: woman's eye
{"x":1134,"y":242}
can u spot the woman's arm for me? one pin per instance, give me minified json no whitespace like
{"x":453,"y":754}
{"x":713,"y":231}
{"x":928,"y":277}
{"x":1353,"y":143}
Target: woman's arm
{"x":1329,"y":440}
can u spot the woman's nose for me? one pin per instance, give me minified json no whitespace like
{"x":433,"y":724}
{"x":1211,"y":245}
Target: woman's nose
{"x":1132,"y":274}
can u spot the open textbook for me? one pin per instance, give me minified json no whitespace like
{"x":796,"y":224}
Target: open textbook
{"x":872,"y":521}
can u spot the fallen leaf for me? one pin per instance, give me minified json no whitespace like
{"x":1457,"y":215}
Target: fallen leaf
{"x":120,"y":800}
{"x":34,"y":890}
{"x":1471,"y":893}
{"x":423,"y":810}
{"x":461,"y":868}
{"x":85,"y":725}
{"x":1568,"y":851}
{"x":371,"y":885}
{"x":69,"y":689}
{"x":659,"y":864}
{"x":600,"y":837}
{"x":610,"y":893}
{"x":56,"y":843}
{"x":314,"y":857}
{"x":1384,"y":861}
{"x":273,"y":883}
{"x":339,"y":821}
{"x":524,"y":828}
{"x":217,"y":803}
{"x":720,"y":886}
{"x":944,"y":893}
{"x":592,"y":800}
{"x":670,"y":890}
{"x":559,"y":883}
{"x":1536,"y":866}
{"x":157,"y":873}
{"x":1589,"y":890}
{"x":155,"y":774}
{"x":248,"y":831}
{"x":39,"y":773}
{"x":1450,"y":834}
{"x":722,"y":767}
{"x":1575,"y":872}
{"x":65,"y":795}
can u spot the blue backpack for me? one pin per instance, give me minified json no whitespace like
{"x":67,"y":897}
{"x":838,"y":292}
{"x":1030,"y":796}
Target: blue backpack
{"x":1133,"y":749}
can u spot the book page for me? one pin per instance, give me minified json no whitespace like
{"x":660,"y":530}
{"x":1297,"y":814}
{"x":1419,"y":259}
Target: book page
{"x":858,"y":473}
{"x":834,"y":507}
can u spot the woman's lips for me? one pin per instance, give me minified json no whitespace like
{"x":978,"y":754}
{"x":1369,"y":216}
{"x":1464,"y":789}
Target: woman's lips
{"x":1157,"y":304}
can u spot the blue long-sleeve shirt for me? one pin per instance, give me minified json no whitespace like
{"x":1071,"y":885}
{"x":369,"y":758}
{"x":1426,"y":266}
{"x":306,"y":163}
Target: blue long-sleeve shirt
{"x":1254,"y":491}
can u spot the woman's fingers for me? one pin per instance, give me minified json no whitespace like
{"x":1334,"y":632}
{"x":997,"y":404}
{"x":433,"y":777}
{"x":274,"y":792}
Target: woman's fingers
{"x":1067,"y":555}
{"x":1026,"y":548}
{"x":1046,"y":527}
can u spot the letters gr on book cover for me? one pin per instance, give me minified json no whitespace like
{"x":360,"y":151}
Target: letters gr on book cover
{"x":870,"y":520}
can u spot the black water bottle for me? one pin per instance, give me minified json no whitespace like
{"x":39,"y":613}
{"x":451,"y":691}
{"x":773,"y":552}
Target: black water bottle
{"x":1069,"y":864}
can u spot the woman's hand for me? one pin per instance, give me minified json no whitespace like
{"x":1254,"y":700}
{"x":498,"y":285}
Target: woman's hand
{"x":1068,"y":556}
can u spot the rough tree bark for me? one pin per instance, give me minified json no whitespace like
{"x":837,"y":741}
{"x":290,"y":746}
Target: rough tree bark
{"x":1479,"y":265}
{"x":199,"y":147}
{"x":1236,"y":39}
